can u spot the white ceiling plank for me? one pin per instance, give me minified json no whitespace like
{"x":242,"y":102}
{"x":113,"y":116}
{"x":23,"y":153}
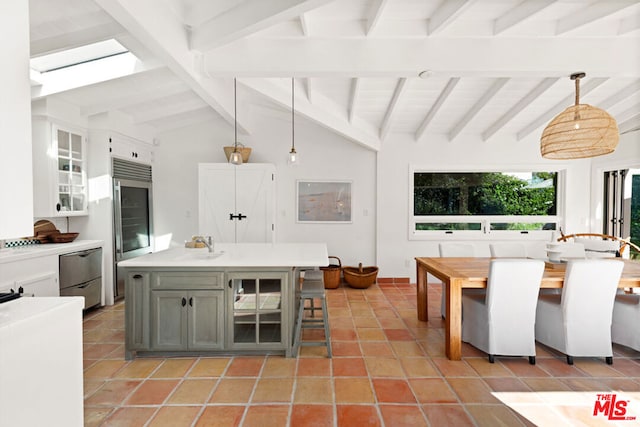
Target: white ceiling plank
{"x":401,"y":88}
{"x":353,"y":98}
{"x":446,"y":13}
{"x":547,"y":116}
{"x":155,"y":25}
{"x":629,"y":24}
{"x":127,"y":99}
{"x":375,"y":13}
{"x":630,"y":125}
{"x":591,"y":13}
{"x":451,"y":84}
{"x":484,"y":99}
{"x":162,"y":111}
{"x":627,"y":114}
{"x":620,"y":96}
{"x":321,"y":116}
{"x":519,"y":107}
{"x":518,"y":14}
{"x":73,"y":39}
{"x":247,"y":18}
{"x":483,"y":57}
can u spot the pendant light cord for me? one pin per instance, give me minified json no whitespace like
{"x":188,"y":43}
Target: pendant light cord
{"x":577,"y":90}
{"x":293,"y":116}
{"x":235,"y":117}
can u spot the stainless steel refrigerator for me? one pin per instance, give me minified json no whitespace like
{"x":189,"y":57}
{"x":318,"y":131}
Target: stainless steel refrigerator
{"x":132,"y":215}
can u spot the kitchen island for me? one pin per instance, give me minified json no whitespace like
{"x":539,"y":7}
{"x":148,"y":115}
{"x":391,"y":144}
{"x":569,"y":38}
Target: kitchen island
{"x":240,"y":298}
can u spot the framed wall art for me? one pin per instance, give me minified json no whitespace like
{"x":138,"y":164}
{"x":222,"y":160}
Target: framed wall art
{"x":323,"y":201}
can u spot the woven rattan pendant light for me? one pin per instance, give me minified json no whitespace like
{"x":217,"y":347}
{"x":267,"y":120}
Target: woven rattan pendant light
{"x":580,"y":131}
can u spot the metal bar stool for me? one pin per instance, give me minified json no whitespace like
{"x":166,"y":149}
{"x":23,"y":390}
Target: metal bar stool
{"x":312,"y":288}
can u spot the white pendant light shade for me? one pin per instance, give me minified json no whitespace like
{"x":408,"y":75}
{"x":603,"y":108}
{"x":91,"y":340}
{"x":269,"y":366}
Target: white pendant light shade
{"x":580,"y":131}
{"x":235,"y":158}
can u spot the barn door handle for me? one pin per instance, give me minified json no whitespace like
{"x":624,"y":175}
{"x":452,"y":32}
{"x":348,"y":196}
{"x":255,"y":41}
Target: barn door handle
{"x":238,"y":217}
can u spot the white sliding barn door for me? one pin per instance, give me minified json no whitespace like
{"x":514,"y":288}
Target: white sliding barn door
{"x":236,"y":203}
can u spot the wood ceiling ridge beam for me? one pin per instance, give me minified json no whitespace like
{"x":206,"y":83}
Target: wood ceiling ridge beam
{"x":353,"y":97}
{"x":442,"y":97}
{"x":401,"y":88}
{"x":154,"y":25}
{"x":247,"y":18}
{"x":475,"y":109}
{"x":375,"y":14}
{"x":519,"y":107}
{"x":519,"y":13}
{"x":445,"y":14}
{"x":591,"y":13}
{"x":548,"y":115}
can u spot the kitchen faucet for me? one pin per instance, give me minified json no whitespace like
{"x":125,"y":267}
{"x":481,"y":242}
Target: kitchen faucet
{"x":208,"y":242}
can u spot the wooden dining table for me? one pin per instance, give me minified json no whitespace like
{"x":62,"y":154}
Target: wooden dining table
{"x":468,"y":273}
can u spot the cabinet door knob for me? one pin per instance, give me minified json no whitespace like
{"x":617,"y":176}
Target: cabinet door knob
{"x":191,"y":302}
{"x":184,"y":301}
{"x":58,"y":207}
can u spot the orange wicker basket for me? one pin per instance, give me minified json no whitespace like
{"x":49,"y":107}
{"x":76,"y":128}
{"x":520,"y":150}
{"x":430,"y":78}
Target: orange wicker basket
{"x":360,"y":277}
{"x":332,"y":274}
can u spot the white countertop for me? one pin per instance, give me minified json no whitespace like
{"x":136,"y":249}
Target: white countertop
{"x":25,"y":308}
{"x":237,"y":255}
{"x":32,"y":251}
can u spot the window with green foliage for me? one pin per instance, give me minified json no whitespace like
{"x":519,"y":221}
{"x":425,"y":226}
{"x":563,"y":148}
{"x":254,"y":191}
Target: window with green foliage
{"x":484,"y":202}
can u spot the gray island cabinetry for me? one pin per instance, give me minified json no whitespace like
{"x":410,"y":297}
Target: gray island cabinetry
{"x":238,"y":299}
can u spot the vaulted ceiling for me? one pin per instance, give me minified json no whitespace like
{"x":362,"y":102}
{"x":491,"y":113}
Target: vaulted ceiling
{"x":365,"y":69}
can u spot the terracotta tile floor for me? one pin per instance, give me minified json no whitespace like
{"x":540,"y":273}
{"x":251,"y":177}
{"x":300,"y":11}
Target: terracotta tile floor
{"x":388,"y":369}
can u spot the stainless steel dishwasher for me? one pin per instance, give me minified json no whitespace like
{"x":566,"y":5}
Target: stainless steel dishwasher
{"x":81,"y":275}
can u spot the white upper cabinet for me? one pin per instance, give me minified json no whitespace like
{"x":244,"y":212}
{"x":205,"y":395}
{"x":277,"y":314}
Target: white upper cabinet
{"x":60,"y":176}
{"x":130,"y":149}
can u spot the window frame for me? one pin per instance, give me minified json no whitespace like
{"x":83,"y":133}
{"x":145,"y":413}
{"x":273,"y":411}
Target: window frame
{"x":485,"y":232}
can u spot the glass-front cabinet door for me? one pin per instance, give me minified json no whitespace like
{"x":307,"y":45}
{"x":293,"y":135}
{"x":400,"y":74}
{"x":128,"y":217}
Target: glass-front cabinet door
{"x":258,"y":315}
{"x":71,"y":174}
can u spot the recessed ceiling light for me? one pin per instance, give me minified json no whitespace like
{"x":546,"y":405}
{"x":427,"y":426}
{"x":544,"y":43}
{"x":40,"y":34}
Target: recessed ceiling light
{"x":425,"y":74}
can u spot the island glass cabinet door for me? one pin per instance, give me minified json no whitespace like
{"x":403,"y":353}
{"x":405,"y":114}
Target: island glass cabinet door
{"x":258,"y":315}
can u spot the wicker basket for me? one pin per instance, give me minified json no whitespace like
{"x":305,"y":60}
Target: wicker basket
{"x":332,"y":274}
{"x":244,"y":151}
{"x":360,"y":277}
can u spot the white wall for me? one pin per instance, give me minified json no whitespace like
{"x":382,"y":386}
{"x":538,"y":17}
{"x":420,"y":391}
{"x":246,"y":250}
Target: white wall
{"x":324,"y":155}
{"x":15,"y":122}
{"x":396,"y":252}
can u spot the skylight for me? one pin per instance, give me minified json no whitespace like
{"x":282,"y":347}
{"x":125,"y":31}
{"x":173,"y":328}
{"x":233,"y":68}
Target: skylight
{"x":79,"y":55}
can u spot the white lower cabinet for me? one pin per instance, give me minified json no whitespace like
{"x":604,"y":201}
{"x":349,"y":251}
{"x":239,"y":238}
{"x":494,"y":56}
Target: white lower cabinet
{"x":34,"y":277}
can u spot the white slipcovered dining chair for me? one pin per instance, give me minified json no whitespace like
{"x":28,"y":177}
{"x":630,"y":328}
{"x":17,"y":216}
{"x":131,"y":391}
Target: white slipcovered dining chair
{"x":625,"y":327}
{"x":502,"y":322}
{"x":578,"y":321}
{"x":452,"y":250}
{"x":598,"y":248}
{"x":508,"y":250}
